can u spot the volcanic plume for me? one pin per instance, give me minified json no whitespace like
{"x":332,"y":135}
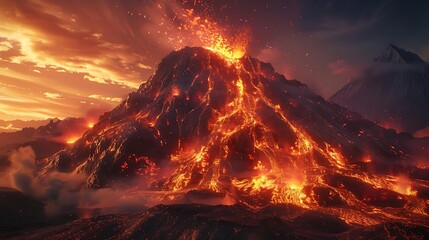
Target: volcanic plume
{"x":208,"y":126}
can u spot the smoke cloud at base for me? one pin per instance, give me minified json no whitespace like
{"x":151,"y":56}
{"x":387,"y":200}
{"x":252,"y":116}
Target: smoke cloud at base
{"x":63,"y":193}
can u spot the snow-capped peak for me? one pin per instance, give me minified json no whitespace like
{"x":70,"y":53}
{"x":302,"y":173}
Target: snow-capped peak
{"x":394,"y":54}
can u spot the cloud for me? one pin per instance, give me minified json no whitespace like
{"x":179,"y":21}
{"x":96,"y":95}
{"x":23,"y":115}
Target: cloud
{"x":63,"y":193}
{"x":422,"y":133}
{"x":5,"y":46}
{"x":59,"y":42}
{"x":56,"y":190}
{"x":268,"y":54}
{"x":109,"y":48}
{"x":70,"y":49}
{"x":52,"y":95}
{"x":9,"y":128}
{"x":141,"y":65}
{"x":112,"y":99}
{"x":12,"y":126}
{"x":333,"y":19}
{"x":71,"y":55}
{"x":343,"y":68}
{"x":14,"y":99}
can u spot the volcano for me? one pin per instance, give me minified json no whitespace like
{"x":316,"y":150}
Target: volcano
{"x":393,"y":91}
{"x":211,"y":129}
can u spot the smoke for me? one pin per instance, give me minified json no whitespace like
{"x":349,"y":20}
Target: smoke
{"x":21,"y":170}
{"x":377,"y":68}
{"x":343,"y":68}
{"x":422,"y":133}
{"x":58,"y":191}
{"x":93,"y":114}
{"x":63,"y":193}
{"x":419,"y":148}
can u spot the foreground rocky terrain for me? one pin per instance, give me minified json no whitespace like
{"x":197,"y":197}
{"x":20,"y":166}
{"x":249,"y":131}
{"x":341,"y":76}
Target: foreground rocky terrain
{"x":224,"y":222}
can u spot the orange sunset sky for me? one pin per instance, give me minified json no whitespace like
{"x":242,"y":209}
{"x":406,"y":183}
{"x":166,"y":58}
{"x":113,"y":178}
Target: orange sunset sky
{"x":65,"y":58}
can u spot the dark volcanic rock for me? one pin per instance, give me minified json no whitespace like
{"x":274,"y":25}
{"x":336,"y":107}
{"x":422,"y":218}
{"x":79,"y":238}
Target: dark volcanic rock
{"x":177,"y":110}
{"x":174,"y":222}
{"x":391,"y":230}
{"x":18,"y":211}
{"x":326,"y":196}
{"x":365,"y":192}
{"x":221,"y":222}
{"x":314,"y":221}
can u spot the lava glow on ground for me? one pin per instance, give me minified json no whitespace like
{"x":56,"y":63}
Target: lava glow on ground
{"x":172,"y":117}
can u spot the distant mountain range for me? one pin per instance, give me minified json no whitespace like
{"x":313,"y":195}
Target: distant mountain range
{"x":393,"y":91}
{"x":16,"y":125}
{"x":45,"y":140}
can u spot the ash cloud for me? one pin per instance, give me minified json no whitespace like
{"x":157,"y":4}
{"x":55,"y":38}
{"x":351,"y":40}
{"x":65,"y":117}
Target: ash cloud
{"x":22,"y":167}
{"x":62,"y":193}
{"x":57,"y":190}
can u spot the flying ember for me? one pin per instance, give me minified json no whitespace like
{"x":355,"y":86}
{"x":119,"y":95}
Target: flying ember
{"x":195,"y":30}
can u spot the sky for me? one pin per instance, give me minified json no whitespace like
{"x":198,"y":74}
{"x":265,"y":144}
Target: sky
{"x":76,"y":58}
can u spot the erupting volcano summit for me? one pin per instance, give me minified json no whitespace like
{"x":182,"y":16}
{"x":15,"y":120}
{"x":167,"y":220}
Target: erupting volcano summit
{"x":206,"y":127}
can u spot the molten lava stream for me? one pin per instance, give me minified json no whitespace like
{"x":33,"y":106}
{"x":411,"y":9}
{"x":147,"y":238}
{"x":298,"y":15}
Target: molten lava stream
{"x":279,"y":175}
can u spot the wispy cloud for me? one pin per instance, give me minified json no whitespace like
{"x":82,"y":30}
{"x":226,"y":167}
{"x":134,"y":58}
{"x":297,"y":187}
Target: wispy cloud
{"x":5,"y":46}
{"x":52,"y":95}
{"x":141,"y":65}
{"x":14,"y":99}
{"x":63,"y":42}
{"x":343,"y":68}
{"x":8,"y":128}
{"x":52,"y":50}
{"x":112,"y":99}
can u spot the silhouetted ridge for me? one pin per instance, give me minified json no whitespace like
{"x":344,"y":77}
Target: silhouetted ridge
{"x":394,"y":54}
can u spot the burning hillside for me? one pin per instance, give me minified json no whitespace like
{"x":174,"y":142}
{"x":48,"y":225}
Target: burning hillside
{"x":214,"y":129}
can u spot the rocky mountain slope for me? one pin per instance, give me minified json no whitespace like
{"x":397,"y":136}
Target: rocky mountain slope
{"x":214,"y":130}
{"x":45,"y":140}
{"x":239,"y":130}
{"x":393,"y":91}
